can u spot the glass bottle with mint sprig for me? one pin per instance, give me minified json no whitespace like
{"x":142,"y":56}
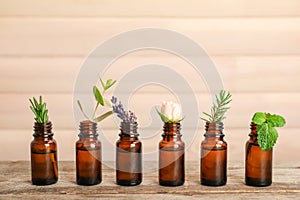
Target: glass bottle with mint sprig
{"x":88,"y":147}
{"x":43,"y":148}
{"x":259,"y":148}
{"x":214,"y":148}
{"x":171,"y":147}
{"x":128,"y":148}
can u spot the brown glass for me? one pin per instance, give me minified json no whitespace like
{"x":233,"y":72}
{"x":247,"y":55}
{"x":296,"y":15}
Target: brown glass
{"x":128,"y":156}
{"x":171,"y":156}
{"x":88,"y":155}
{"x":44,"y":170}
{"x":213,"y":156}
{"x":258,"y":162}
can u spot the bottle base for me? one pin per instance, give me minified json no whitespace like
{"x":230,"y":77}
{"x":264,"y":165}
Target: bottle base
{"x":213,"y":183}
{"x":40,"y":182}
{"x":256,"y":182}
{"x":129,"y":182}
{"x":171,"y":183}
{"x":88,"y":181}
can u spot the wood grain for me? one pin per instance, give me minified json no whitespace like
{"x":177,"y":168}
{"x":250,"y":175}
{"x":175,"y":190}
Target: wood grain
{"x":239,"y":73}
{"x":15,"y":107}
{"x":15,"y":182}
{"x":78,"y":37}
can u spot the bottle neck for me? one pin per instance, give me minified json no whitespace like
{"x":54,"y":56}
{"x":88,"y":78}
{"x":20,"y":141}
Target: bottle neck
{"x":253,"y":132}
{"x":214,"y":129}
{"x":43,"y":130}
{"x":88,"y":128}
{"x":128,"y":130}
{"x":171,"y":130}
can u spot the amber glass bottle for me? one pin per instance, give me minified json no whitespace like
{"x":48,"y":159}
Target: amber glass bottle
{"x":258,"y":162}
{"x":88,"y":155}
{"x":44,"y":169}
{"x":213,"y":156}
{"x":171,"y":156}
{"x":128,"y":156}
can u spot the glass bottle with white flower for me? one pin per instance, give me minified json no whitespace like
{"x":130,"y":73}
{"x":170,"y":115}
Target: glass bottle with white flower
{"x":128,"y":147}
{"x":171,"y":147}
{"x":88,"y":147}
{"x":214,"y":147}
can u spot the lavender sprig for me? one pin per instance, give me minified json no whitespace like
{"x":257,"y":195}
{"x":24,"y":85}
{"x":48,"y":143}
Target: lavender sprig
{"x":118,"y":108}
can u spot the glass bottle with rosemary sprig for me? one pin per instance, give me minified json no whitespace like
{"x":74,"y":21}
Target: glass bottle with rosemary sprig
{"x":214,"y":148}
{"x":171,"y":147}
{"x":259,"y":148}
{"x":128,"y":148}
{"x":88,"y":147}
{"x":44,"y":168}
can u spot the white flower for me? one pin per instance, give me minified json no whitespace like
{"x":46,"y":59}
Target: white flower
{"x":172,"y":111}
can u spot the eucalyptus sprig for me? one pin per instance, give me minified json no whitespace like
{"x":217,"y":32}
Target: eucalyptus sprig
{"x":265,"y":125}
{"x":100,"y":100}
{"x":39,"y":109}
{"x":219,"y":108}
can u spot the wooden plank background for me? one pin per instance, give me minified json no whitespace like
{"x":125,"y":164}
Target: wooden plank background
{"x":254,"y":44}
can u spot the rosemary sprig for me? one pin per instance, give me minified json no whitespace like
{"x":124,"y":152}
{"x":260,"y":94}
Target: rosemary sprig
{"x":219,"y":108}
{"x":39,"y":110}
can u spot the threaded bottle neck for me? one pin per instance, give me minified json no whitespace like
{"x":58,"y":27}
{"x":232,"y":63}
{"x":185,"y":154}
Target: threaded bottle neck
{"x":172,"y":129}
{"x":42,"y":129}
{"x":88,"y":128}
{"x":214,"y":129}
{"x":253,"y":129}
{"x":129,"y":129}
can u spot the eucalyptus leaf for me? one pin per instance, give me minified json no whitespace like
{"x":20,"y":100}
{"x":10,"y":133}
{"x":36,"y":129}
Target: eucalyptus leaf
{"x":98,"y":96}
{"x":102,"y":117}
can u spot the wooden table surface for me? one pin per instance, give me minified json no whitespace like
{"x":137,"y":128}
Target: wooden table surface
{"x":15,"y":184}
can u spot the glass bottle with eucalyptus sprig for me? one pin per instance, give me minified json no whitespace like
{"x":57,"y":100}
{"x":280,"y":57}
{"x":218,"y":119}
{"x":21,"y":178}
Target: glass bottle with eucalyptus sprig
{"x":171,"y":147}
{"x":88,"y":147}
{"x":214,"y":148}
{"x":44,"y":170}
{"x":128,"y":148}
{"x":259,"y":148}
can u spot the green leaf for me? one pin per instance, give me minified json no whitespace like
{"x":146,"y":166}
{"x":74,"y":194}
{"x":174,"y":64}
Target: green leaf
{"x":275,"y":120}
{"x":35,"y":102}
{"x":102,"y":83}
{"x":259,"y":118}
{"x":102,"y":117}
{"x":98,"y":96}
{"x":109,"y":83}
{"x":267,"y":136}
{"x":39,"y":109}
{"x":80,"y":107}
{"x":163,"y":117}
{"x":218,"y":108}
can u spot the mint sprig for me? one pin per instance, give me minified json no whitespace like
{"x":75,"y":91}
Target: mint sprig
{"x":266,"y":133}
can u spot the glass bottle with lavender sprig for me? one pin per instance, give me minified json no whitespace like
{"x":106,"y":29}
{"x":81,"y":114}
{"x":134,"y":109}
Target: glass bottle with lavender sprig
{"x":128,"y":148}
{"x":171,"y":147}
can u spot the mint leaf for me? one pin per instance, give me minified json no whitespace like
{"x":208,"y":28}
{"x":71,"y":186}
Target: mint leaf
{"x":275,"y":120}
{"x":267,"y":136}
{"x":259,"y":118}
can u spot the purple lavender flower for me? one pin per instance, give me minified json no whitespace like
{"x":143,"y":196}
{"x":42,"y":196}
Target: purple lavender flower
{"x":118,"y":108}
